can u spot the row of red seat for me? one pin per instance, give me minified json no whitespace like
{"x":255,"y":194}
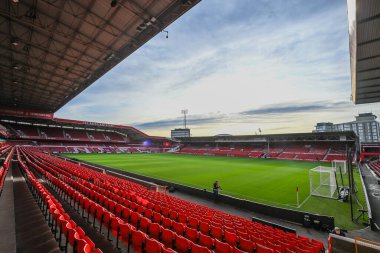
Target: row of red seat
{"x":294,"y":152}
{"x":58,"y":219}
{"x":4,"y":169}
{"x":375,"y":167}
{"x":216,"y":224}
{"x":56,"y":133}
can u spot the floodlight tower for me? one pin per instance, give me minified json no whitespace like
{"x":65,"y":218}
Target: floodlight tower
{"x":184,"y":112}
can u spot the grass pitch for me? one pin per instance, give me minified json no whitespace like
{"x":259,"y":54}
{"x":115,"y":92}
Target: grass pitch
{"x":266,"y":181}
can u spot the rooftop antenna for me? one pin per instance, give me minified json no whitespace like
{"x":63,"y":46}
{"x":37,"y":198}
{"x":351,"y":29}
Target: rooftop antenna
{"x":184,"y":112}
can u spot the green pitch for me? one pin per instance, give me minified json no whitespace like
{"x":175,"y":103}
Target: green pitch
{"x":267,"y":181}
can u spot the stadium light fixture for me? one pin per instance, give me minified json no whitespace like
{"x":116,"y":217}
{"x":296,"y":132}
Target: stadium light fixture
{"x":14,"y":42}
{"x":184,"y":112}
{"x":144,"y":25}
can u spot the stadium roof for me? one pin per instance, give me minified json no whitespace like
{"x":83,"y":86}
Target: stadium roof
{"x":52,"y":50}
{"x":364,"y":32}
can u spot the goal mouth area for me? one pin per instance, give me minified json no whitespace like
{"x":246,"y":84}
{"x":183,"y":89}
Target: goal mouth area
{"x":340,"y":166}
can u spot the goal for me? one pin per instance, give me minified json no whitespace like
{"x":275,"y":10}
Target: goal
{"x":323,"y":182}
{"x":340,"y":166}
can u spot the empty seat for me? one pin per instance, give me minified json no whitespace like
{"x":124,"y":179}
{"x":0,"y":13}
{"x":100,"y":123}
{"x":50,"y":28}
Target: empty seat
{"x":191,"y":234}
{"x":246,"y":245}
{"x":167,"y":237}
{"x":206,"y":241}
{"x":195,"y":248}
{"x":138,"y":239}
{"x":221,"y":247}
{"x":230,"y":238}
{"x":262,"y":249}
{"x":155,"y":230}
{"x":182,"y":245}
{"x":153,"y":246}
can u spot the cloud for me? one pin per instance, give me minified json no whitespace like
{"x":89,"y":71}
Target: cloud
{"x":271,"y":113}
{"x":196,"y":120}
{"x":296,"y":108}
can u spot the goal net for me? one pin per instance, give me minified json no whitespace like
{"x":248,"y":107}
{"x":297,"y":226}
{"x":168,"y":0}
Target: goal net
{"x":340,"y":166}
{"x":323,"y":182}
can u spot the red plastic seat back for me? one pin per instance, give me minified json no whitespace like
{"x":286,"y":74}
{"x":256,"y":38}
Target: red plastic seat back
{"x":206,"y":241}
{"x":182,"y":245}
{"x":221,"y":247}
{"x":153,"y":246}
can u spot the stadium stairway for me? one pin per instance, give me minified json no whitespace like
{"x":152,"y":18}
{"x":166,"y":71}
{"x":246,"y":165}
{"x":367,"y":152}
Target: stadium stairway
{"x":98,"y":238}
{"x":32,"y":232}
{"x":22,"y":225}
{"x":7,"y":216}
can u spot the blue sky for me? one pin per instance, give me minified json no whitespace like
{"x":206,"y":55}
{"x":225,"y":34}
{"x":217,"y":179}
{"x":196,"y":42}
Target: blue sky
{"x":281,"y":66}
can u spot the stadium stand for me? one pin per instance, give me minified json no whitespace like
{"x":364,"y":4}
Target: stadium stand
{"x":70,"y":234}
{"x":375,"y":167}
{"x":291,"y":151}
{"x":151,"y":221}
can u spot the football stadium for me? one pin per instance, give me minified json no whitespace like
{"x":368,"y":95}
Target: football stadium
{"x":258,"y":167}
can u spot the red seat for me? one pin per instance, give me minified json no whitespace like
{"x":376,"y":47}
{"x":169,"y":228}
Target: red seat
{"x":204,"y":228}
{"x":182,"y":245}
{"x":138,"y":239}
{"x":193,"y":222}
{"x":153,"y":246}
{"x":230,"y":238}
{"x":305,"y":250}
{"x":148,"y":213}
{"x":246,"y":245}
{"x":221,"y":247}
{"x":83,"y":247}
{"x":157,"y":208}
{"x":125,"y":213}
{"x":167,"y":237}
{"x":167,"y":223}
{"x":179,"y":228}
{"x":125,"y":231}
{"x":217,"y":233}
{"x":157,"y":218}
{"x":155,"y":230}
{"x":206,"y":241}
{"x":262,"y":249}
{"x":191,"y":234}
{"x":165,"y":212}
{"x":182,"y":218}
{"x":236,"y":250}
{"x":195,"y":248}
{"x":173,"y":215}
{"x":168,"y":250}
{"x":274,"y":246}
{"x":144,"y":224}
{"x":135,"y":218}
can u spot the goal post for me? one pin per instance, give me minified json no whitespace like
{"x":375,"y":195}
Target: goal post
{"x":323,"y":182}
{"x":340,"y":166}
